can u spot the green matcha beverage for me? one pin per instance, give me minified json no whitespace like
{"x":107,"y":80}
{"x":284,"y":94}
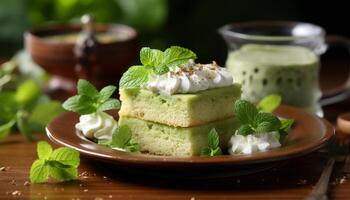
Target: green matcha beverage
{"x":291,"y":71}
{"x":276,"y":58}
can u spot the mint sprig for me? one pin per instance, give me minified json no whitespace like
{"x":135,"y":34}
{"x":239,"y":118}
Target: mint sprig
{"x":90,"y":100}
{"x":213,"y":148}
{"x":254,"y":121}
{"x":122,"y":139}
{"x":154,"y":61}
{"x":60,"y":164}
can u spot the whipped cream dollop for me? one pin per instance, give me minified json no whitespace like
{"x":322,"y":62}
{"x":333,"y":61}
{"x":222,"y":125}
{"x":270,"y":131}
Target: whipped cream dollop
{"x":99,"y":125}
{"x":240,"y":144}
{"x":190,"y":78}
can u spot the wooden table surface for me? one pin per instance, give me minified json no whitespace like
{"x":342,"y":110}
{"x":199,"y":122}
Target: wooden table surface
{"x":291,"y":180}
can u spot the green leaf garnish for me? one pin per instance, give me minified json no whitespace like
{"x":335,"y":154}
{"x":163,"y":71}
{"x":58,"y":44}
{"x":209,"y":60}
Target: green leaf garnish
{"x":270,"y":103}
{"x":135,"y":77}
{"x":122,"y":138}
{"x":154,"y":62}
{"x":254,"y":121}
{"x":89,"y":100}
{"x":213,"y":148}
{"x":60,"y":164}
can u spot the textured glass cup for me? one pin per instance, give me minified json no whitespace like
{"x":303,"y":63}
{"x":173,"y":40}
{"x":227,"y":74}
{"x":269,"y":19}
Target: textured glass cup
{"x":280,"y":57}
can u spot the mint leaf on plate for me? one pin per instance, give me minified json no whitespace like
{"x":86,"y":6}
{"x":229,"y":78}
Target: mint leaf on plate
{"x":270,"y":103}
{"x":213,"y":148}
{"x":122,"y":138}
{"x":90,"y":100}
{"x":84,"y":87}
{"x":245,"y":112}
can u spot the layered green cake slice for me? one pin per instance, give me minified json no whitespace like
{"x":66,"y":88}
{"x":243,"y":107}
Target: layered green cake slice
{"x":180,"y":110}
{"x":160,"y":139}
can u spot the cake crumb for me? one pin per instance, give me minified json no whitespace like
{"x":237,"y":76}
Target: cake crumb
{"x":86,"y":190}
{"x":193,"y":198}
{"x":110,"y":196}
{"x":16,"y":193}
{"x":26,"y":183}
{"x":13,"y":182}
{"x":98,"y":198}
{"x":3,"y":169}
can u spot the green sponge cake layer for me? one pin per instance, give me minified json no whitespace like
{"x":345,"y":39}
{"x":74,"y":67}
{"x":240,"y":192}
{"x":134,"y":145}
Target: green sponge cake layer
{"x":180,"y":110}
{"x":159,"y":139}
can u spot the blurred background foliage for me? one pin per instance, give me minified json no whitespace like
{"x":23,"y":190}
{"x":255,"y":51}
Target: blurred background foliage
{"x":189,"y":23}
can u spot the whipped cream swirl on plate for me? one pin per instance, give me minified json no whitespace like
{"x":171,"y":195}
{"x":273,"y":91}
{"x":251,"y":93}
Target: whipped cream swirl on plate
{"x":190,"y":78}
{"x":240,"y":144}
{"x":97,"y":125}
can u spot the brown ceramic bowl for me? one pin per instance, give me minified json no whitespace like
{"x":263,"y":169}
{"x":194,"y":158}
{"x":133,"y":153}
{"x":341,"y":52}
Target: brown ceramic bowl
{"x":58,"y":58}
{"x":308,"y":134}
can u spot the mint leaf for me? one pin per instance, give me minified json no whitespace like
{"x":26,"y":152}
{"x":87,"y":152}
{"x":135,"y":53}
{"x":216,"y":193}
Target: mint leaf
{"x":216,"y":152}
{"x":245,"y":129}
{"x":262,"y":117}
{"x":80,"y":104}
{"x":86,"y":88}
{"x":27,"y":92}
{"x":270,"y":103}
{"x":39,"y":172}
{"x":213,"y":139}
{"x":106,"y":93}
{"x":122,"y":138}
{"x":66,"y":156}
{"x":151,"y":57}
{"x":63,"y":174}
{"x":286,"y":124}
{"x":109,"y":105}
{"x":5,"y":129}
{"x":44,"y":150}
{"x":206,"y":151}
{"x":60,"y":164}
{"x":23,"y":124}
{"x":161,"y":69}
{"x":135,"y":77}
{"x":175,"y":56}
{"x":8,"y":106}
{"x":43,"y":113}
{"x":213,"y":148}
{"x":89,"y":100}
{"x":245,"y":111}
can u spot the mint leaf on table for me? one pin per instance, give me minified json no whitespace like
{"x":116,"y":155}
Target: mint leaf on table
{"x":154,"y":62}
{"x":269,"y":103}
{"x":213,"y":148}
{"x":90,"y":100}
{"x":122,"y":138}
{"x":60,"y":164}
{"x":135,"y":77}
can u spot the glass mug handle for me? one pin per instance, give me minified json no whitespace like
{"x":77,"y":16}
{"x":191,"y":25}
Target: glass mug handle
{"x":342,"y":92}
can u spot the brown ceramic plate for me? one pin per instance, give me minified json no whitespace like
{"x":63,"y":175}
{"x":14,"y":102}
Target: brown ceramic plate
{"x":308,"y":134}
